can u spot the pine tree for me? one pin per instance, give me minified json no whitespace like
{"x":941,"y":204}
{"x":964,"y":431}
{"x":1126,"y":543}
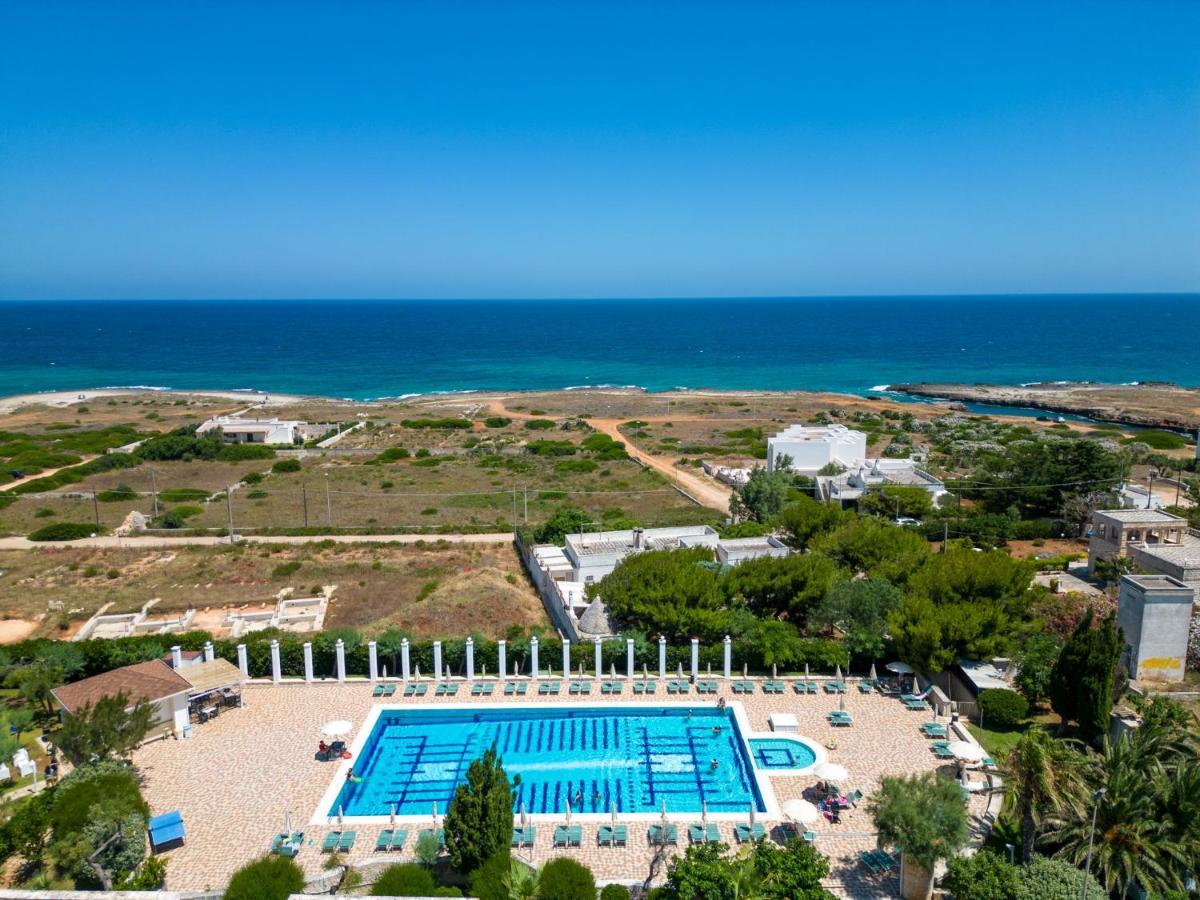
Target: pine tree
{"x":1064,"y":677}
{"x":1081,"y":684}
{"x":480,"y":818}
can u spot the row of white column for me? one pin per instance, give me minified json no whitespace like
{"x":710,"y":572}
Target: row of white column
{"x":439,"y":673}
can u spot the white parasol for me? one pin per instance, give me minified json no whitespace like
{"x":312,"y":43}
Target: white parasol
{"x":751,"y":815}
{"x":337,"y":728}
{"x":900,"y":668}
{"x":801,"y":811}
{"x":966,"y":750}
{"x":838,"y":676}
{"x":872,"y":675}
{"x":704,"y":814}
{"x":831,"y":771}
{"x":392,"y":814}
{"x":842,"y":702}
{"x":568,"y":811}
{"x":613,"y":809}
{"x":524,"y":815}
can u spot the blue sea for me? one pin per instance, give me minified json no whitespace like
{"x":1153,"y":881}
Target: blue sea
{"x":371,"y":349}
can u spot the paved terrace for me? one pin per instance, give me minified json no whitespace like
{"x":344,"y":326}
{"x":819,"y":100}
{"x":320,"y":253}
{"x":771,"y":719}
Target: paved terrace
{"x":238,"y":776}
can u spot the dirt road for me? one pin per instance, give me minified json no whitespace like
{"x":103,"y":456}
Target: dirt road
{"x":112,"y":542}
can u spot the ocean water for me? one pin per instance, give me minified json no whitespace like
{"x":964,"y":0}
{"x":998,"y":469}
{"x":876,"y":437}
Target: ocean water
{"x":372,"y":349}
{"x":634,"y":758}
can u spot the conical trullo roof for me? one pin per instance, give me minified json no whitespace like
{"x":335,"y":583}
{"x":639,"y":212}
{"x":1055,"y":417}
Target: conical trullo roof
{"x":595,"y":619}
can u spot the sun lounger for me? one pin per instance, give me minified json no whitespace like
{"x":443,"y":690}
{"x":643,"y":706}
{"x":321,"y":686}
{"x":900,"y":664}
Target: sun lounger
{"x":389,"y":690}
{"x":838,"y":718}
{"x":866,"y":687}
{"x":704,"y":834}
{"x":612,"y":836}
{"x":287,"y":844}
{"x":523,"y":836}
{"x":662,"y":835}
{"x":399,"y":837}
{"x":346,"y":841}
{"x":330,"y":844}
{"x":384,"y":841}
{"x":378,"y":690}
{"x":943,"y":753}
{"x":745,"y":832}
{"x":568,"y":835}
{"x":916,"y":705}
{"x":440,"y":834}
{"x":548,"y":687}
{"x":476,"y":690}
{"x":799,"y":688}
{"x":410,"y":690}
{"x":510,"y":688}
{"x":810,"y":837}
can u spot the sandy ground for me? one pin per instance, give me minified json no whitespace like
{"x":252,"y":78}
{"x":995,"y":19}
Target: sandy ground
{"x":60,"y":399}
{"x":14,"y":630}
{"x":114,"y":542}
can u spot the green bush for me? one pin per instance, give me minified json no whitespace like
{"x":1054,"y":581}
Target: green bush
{"x":252,"y":495}
{"x":76,"y":474}
{"x":487,"y":882}
{"x":269,"y":878}
{"x":240,"y":452}
{"x":1159,"y":440}
{"x":436,"y":423}
{"x":285,"y":569}
{"x":253,"y":478}
{"x":64,"y":531}
{"x":121,"y":493}
{"x":286,"y":465}
{"x":428,"y":462}
{"x":551,"y":448}
{"x":182,"y":495}
{"x":170,"y":519}
{"x":576,"y":466}
{"x":603,"y":447}
{"x":391,"y":454}
{"x":497,"y":421}
{"x":1003,"y":708}
{"x":114,"y":784}
{"x":409,"y":880}
{"x":540,"y":424}
{"x":186,"y":511}
{"x":614,"y":892}
{"x":565,"y":879}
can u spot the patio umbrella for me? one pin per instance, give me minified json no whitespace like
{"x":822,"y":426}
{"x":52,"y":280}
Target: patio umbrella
{"x":613,"y":809}
{"x":774,"y":670}
{"x":872,"y":676}
{"x":435,"y":822}
{"x":704,"y":814}
{"x":483,"y":670}
{"x":710,"y":670}
{"x":681,"y":670}
{"x":417,"y":673}
{"x":516,"y":668}
{"x":745,"y":670}
{"x":612,"y":670}
{"x":287,"y":822}
{"x":842,"y":702}
{"x":966,"y":751}
{"x":447,"y":673}
{"x":900,"y":668}
{"x":830,"y":771}
{"x":581,"y":670}
{"x":340,"y":815}
{"x":524,"y":815}
{"x":645,"y":671}
{"x":751,"y":815}
{"x":336,"y":728}
{"x":806,"y":671}
{"x":664,"y":813}
{"x":568,"y":811}
{"x":801,"y":811}
{"x":838,"y":676}
{"x":392,"y":814}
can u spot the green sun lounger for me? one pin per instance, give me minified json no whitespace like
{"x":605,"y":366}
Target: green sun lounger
{"x":523,"y":836}
{"x":384,"y":841}
{"x":568,"y":835}
{"x":662,"y":835}
{"x":704,"y":834}
{"x":612,"y":836}
{"x":378,"y":690}
{"x":331,"y":842}
{"x":287,"y":844}
{"x":746,"y":832}
{"x":866,"y":687}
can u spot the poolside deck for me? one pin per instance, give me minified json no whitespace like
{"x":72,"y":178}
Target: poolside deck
{"x":238,"y":777}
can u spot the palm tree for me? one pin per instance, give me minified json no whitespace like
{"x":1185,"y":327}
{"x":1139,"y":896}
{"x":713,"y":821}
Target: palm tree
{"x":1138,"y":842}
{"x":746,"y":883}
{"x":1043,"y":777}
{"x":521,"y":882}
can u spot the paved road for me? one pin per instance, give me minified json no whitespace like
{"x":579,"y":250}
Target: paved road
{"x":154,"y":541}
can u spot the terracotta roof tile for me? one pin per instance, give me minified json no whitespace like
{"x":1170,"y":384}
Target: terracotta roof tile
{"x":151,"y":681}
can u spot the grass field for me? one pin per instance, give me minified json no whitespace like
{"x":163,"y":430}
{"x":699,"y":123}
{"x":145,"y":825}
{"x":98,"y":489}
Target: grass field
{"x":430,"y":589}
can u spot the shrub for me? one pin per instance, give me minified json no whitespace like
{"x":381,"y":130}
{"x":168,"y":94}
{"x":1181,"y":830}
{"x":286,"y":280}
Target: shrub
{"x":614,"y":892}
{"x":182,"y":495}
{"x":253,"y":478}
{"x":112,"y":783}
{"x":576,"y":466}
{"x":1003,"y":708}
{"x":187,"y":510}
{"x":428,"y":462}
{"x":551,"y":448}
{"x":497,"y":421}
{"x":45,"y":513}
{"x":436,"y":423}
{"x":487,"y":881}
{"x":603,"y":447}
{"x":170,"y":519}
{"x":983,"y":876}
{"x":540,"y":424}
{"x":285,"y":569}
{"x":1159,"y":440}
{"x":252,"y":495}
{"x":1054,"y":879}
{"x":269,"y":878}
{"x":391,"y":454}
{"x":64,"y":531}
{"x":286,"y":465}
{"x":565,"y":879}
{"x":480,"y":818}
{"x":120,"y":493}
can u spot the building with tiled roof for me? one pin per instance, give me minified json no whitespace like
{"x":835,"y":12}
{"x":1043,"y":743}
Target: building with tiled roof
{"x":154,"y":681}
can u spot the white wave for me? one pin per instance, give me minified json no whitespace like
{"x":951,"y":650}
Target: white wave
{"x":881,"y":388}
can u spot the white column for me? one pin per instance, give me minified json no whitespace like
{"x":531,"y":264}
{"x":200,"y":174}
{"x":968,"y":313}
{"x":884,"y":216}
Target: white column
{"x":404,"y":667}
{"x":728,"y":645}
{"x":470,"y":659}
{"x":662,"y":657}
{"x":599,"y":656}
{"x":695,"y":658}
{"x":533,"y":660}
{"x":373,"y":660}
{"x":209,"y":655}
{"x":629,"y":657}
{"x":437,"y":660}
{"x":340,"y":649}
{"x":308,"y":666}
{"x":566,"y":660}
{"x":502,"y":658}
{"x":243,"y":660}
{"x":176,"y":657}
{"x":276,"y":675}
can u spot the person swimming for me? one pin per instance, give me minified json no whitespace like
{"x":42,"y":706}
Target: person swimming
{"x":715,"y":765}
{"x":351,"y":777}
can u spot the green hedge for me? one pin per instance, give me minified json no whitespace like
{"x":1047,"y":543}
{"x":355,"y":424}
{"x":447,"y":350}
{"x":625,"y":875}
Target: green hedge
{"x":286,"y":465}
{"x":76,"y":474}
{"x":64,"y":531}
{"x":540,"y":424}
{"x":269,"y":878}
{"x":1003,"y":708}
{"x":436,"y":423}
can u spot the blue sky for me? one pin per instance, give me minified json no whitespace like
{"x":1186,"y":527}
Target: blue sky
{"x":459,"y":149}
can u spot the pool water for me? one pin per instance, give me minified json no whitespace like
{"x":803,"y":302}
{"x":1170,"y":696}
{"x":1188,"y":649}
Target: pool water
{"x":781,"y":753}
{"x":636,"y":758}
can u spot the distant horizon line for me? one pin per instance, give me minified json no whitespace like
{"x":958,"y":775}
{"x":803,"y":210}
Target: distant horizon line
{"x":601,"y":299}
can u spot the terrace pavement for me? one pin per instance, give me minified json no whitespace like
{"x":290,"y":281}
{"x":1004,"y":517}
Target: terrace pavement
{"x":238,"y":776}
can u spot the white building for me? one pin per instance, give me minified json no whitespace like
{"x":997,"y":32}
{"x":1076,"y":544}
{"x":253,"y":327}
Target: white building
{"x":235,"y":430}
{"x":873,"y":474}
{"x":736,"y":550}
{"x":1155,"y":613}
{"x":811,"y":448}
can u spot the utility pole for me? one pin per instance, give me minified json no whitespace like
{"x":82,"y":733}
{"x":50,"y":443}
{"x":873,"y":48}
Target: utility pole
{"x":328,"y":503}
{"x":304,"y":500}
{"x":229,"y":510}
{"x":945,"y":535}
{"x":154,"y":491}
{"x":526,"y":492}
{"x":96,"y":509}
{"x":514,"y":492}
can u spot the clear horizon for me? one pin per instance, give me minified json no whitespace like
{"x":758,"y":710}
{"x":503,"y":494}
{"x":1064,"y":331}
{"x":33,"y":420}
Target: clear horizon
{"x":626,"y":151}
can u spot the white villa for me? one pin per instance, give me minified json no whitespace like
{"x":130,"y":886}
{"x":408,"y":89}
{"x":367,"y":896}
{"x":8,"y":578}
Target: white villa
{"x":236,"y":430}
{"x":1158,"y":542}
{"x":872,"y":474}
{"x":811,"y":448}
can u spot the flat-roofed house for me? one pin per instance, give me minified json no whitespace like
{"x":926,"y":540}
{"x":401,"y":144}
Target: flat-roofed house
{"x":812,"y":447}
{"x":1155,"y":541}
{"x":1155,"y":613}
{"x":236,"y":430}
{"x":155,"y":682}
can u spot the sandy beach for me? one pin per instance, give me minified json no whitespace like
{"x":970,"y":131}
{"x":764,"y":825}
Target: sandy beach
{"x":60,"y":399}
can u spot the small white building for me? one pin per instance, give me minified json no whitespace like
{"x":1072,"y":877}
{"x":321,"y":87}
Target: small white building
{"x":1155,"y":612}
{"x":873,"y":474}
{"x":236,"y":430}
{"x":154,"y":681}
{"x":732,"y":551}
{"x":811,"y":448}
{"x":594,"y":554}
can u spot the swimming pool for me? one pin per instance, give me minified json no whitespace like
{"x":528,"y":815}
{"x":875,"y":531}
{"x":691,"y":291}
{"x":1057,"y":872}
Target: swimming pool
{"x":632,"y":756}
{"x":782,"y":753}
